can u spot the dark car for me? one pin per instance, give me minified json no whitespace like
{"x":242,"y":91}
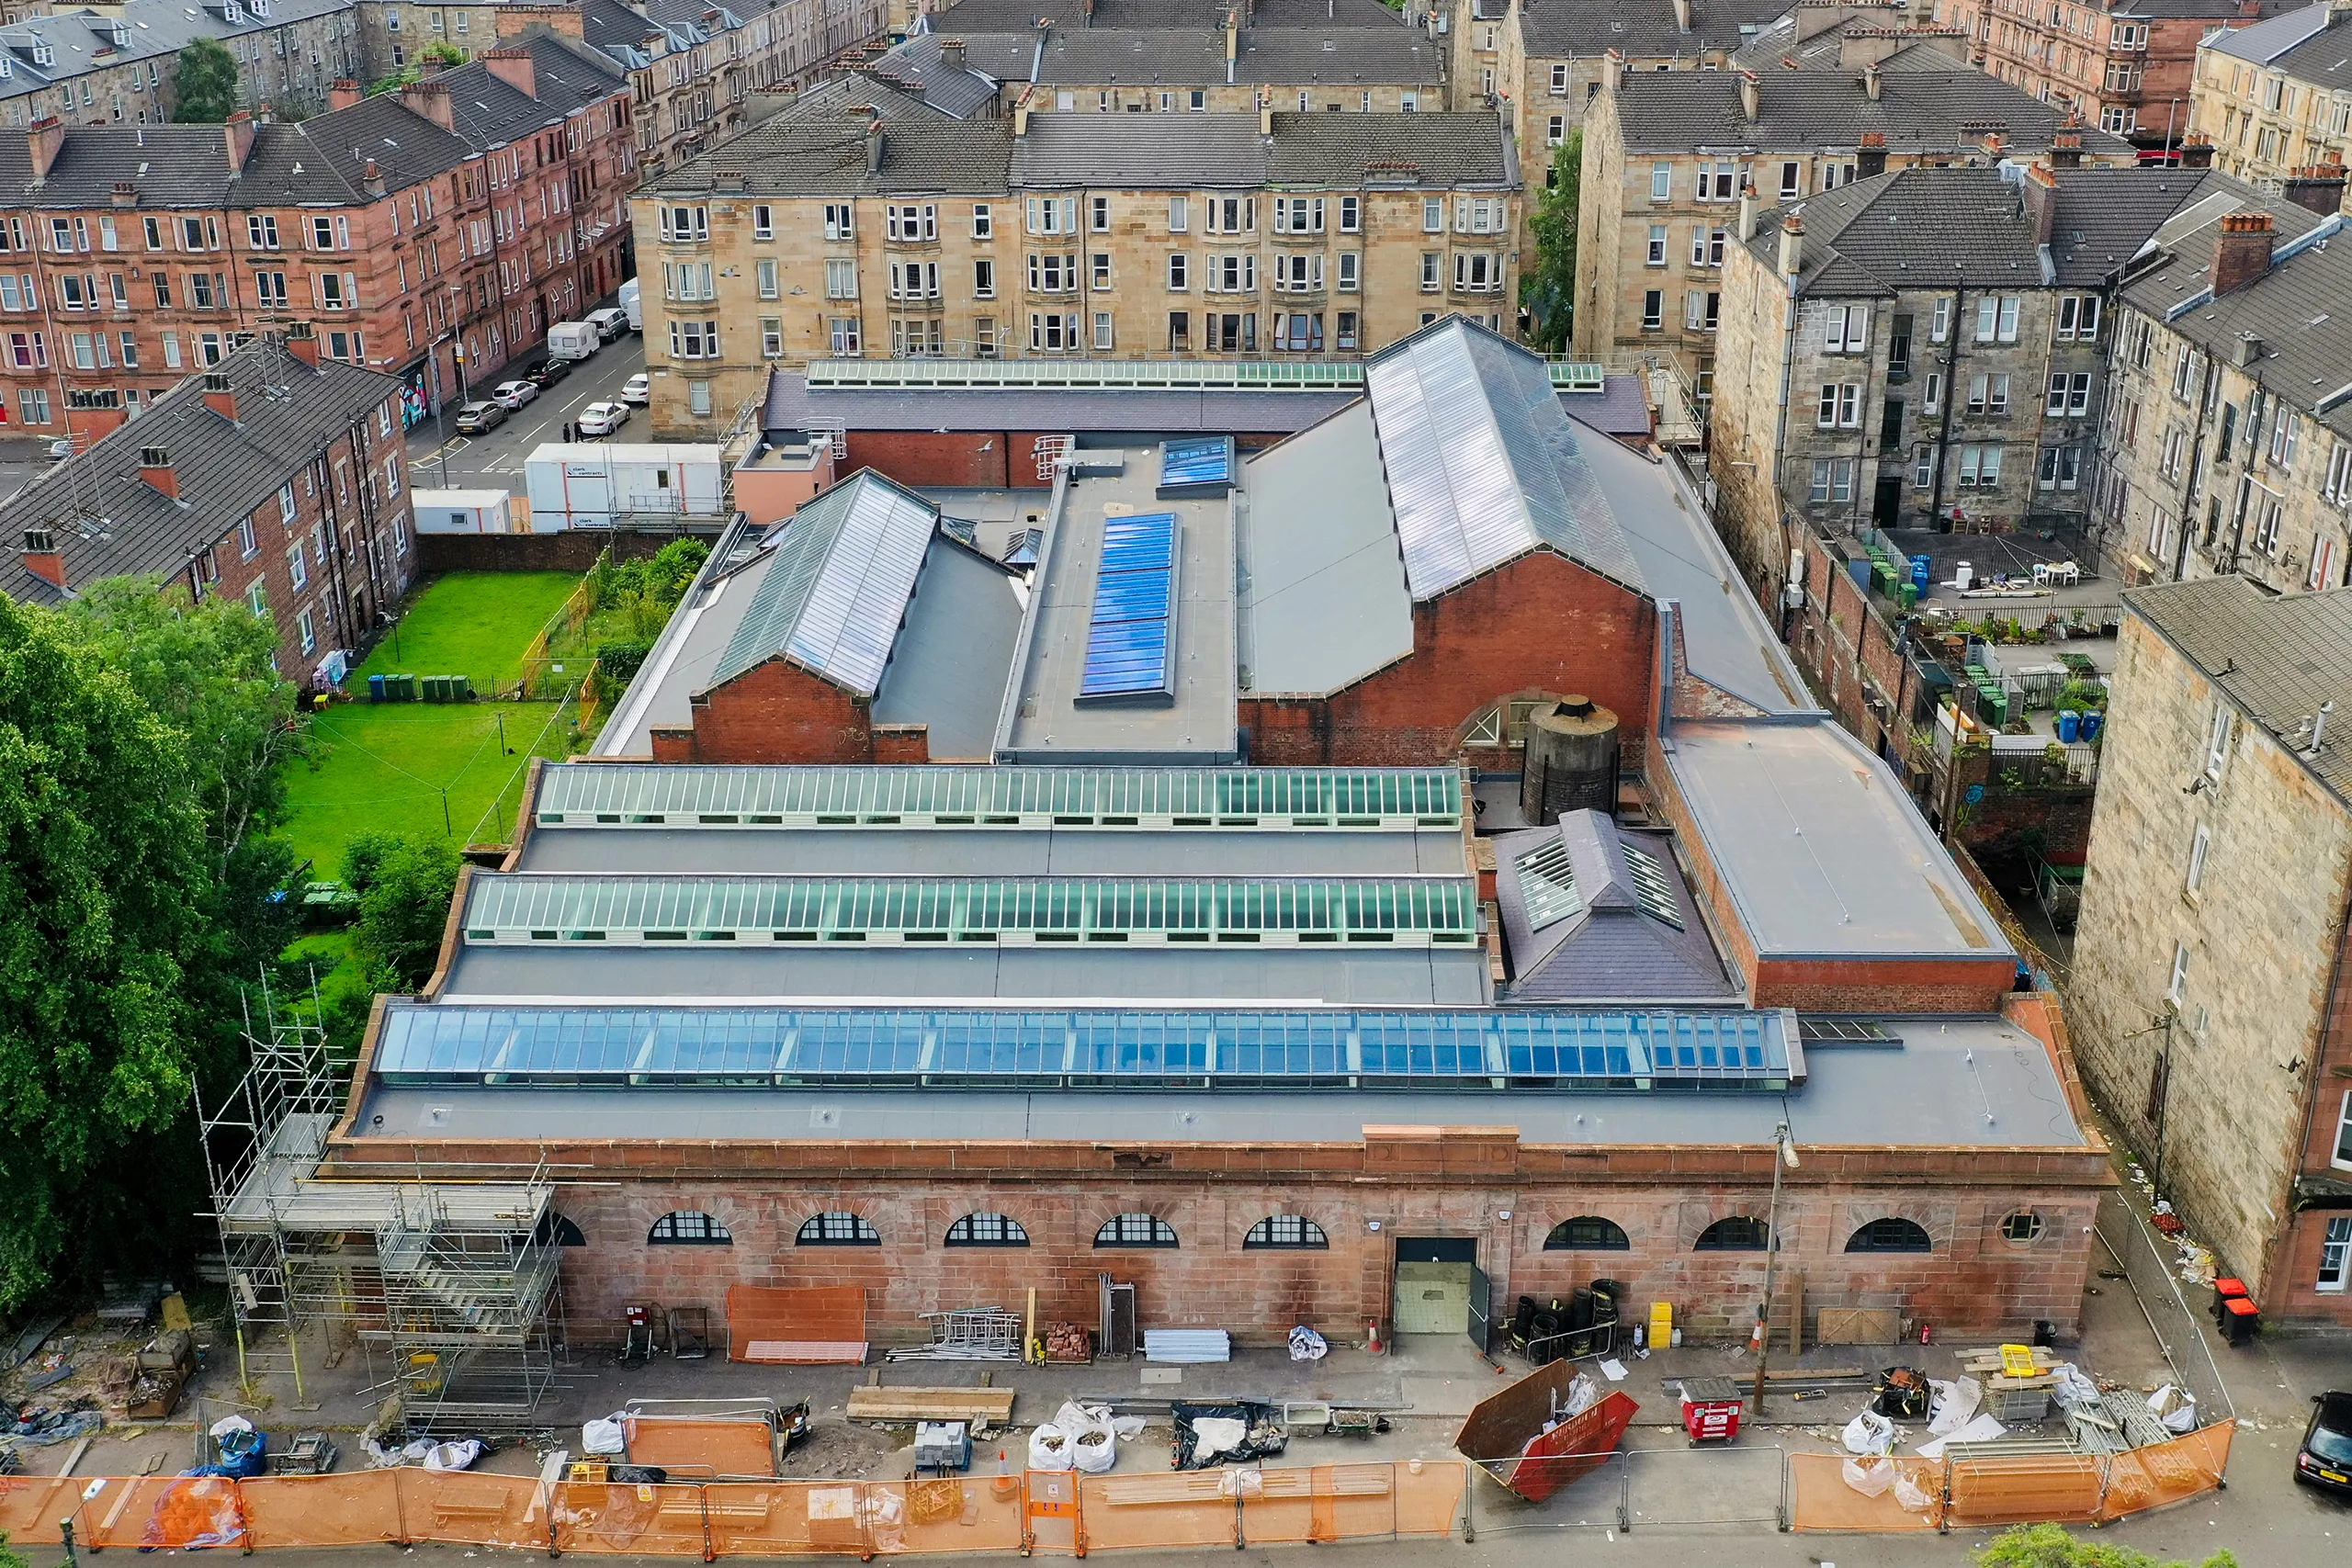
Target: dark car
{"x":2324,"y":1459}
{"x":548,"y":373}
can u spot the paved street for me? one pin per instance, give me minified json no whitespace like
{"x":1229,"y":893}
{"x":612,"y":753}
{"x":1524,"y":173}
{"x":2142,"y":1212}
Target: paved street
{"x":495,"y":461}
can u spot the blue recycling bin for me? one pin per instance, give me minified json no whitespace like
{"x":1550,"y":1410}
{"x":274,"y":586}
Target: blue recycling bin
{"x":1920,"y":567}
{"x":2093,"y":722}
{"x":375,"y":688}
{"x":2070,"y":726}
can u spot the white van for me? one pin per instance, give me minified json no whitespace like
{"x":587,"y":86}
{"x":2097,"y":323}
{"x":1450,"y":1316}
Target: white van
{"x":631,"y":307}
{"x":572,"y":340}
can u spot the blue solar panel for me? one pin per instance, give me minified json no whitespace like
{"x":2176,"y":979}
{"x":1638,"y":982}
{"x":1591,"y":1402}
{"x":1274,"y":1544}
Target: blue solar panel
{"x":1128,"y":641}
{"x":1104,"y":1047}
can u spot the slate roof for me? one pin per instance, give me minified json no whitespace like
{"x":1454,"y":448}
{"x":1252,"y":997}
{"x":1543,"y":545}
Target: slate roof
{"x":1917,"y":111}
{"x":323,"y":159}
{"x":2279,"y":657}
{"x":972,"y":17}
{"x":2317,"y":48}
{"x":2301,"y":308}
{"x":1917,"y":228}
{"x":1298,"y":56}
{"x":817,"y":147}
{"x":108,"y":522}
{"x":1197,"y":152}
{"x":1776,"y":49}
{"x":82,"y":41}
{"x":1610,"y":947}
{"x":1643,"y":30}
{"x":1138,"y":55}
{"x":916,"y":67}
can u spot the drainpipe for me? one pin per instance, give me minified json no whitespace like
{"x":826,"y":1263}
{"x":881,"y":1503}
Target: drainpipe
{"x":1943,"y":427}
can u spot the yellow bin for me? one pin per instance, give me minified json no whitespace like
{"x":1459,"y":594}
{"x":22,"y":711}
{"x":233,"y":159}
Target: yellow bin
{"x":1661,"y":1324}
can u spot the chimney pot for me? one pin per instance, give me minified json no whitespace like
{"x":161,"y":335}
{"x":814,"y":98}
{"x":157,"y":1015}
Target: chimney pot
{"x":2319,"y":187}
{"x":1995,"y":145}
{"x":1870,"y":159}
{"x":2197,"y":150}
{"x":345,"y":94}
{"x":2241,"y":251}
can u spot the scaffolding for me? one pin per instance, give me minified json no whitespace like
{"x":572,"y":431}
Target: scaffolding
{"x":450,"y":1288}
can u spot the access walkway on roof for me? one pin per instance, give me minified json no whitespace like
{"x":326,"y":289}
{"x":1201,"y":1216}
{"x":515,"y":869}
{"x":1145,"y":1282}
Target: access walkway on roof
{"x":1119,"y":375}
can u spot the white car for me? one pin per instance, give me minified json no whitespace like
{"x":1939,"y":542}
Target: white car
{"x":637,"y":389}
{"x":609,"y":322}
{"x":513,"y":394}
{"x":602,"y":419}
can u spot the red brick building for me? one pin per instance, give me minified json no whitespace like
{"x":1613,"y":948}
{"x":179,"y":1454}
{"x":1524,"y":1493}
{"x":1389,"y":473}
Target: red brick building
{"x":466,"y":212}
{"x":277,"y":476}
{"x":2126,"y":69}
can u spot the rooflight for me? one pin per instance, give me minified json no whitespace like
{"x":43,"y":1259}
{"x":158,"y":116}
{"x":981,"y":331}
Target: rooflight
{"x":1652,"y":889}
{"x":1548,"y":884}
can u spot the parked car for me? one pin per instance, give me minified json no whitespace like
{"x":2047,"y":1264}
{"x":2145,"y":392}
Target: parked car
{"x":547,"y":373}
{"x":609,"y":322}
{"x":602,"y":419}
{"x":573,"y":340}
{"x":512,"y":395}
{"x":475,"y":418}
{"x":637,"y":389}
{"x":58,"y":447}
{"x":2325,"y":1458}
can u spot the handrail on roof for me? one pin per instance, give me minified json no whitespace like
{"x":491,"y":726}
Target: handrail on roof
{"x":1131,"y":374}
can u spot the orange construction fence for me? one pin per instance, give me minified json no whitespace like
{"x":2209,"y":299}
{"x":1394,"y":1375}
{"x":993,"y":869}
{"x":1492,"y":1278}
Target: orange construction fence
{"x":1996,"y":1489}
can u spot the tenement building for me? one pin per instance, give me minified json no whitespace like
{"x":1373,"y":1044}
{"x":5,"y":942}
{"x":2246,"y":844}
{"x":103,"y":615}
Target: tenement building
{"x":2275,"y":98}
{"x":1355,"y":1098}
{"x":1927,"y":349}
{"x":2207,"y":1002}
{"x":276,"y":476}
{"x":2124,"y":67}
{"x":2227,"y":439}
{"x":1667,"y":153}
{"x":118,"y":64}
{"x":434,"y":233}
{"x":895,"y":228}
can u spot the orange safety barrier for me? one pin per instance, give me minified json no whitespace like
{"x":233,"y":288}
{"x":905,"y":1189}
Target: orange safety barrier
{"x":702,"y":1447}
{"x":466,"y":1507}
{"x":360,"y":1508}
{"x":163,"y":1511}
{"x":1822,"y":1500}
{"x":948,"y":1514}
{"x":2022,"y":1488}
{"x":1327,"y":1502}
{"x":2166,"y":1472}
{"x":30,"y":1506}
{"x":780,"y":1518}
{"x":1189,"y":1507}
{"x":620,"y":1520}
{"x":802,"y":1324}
{"x":1430,"y":1496}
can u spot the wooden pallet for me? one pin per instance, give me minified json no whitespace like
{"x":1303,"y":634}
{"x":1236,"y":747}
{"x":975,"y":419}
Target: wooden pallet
{"x":981,"y":1406}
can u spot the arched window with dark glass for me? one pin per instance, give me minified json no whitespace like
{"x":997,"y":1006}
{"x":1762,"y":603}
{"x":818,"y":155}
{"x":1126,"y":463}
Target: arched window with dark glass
{"x":556,"y":1231}
{"x":1136,"y":1230}
{"x":1586,"y":1233}
{"x":1740,"y":1233}
{"x":1282,"y":1232}
{"x":836,"y":1229}
{"x":987,"y":1230}
{"x":1890,"y":1235}
{"x":689,"y":1227}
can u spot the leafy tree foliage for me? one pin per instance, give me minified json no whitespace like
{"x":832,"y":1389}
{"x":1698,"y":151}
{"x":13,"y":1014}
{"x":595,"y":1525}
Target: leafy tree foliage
{"x":205,"y":84}
{"x":447,"y":53}
{"x":1548,"y":289}
{"x":2049,"y":1546}
{"x":405,"y":886}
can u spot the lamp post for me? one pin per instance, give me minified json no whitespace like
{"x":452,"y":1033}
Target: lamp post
{"x":1784,"y":1153}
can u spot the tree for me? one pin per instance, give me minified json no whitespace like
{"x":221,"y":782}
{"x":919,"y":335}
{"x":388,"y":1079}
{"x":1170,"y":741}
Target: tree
{"x":1548,"y":289}
{"x":404,"y":886}
{"x":2049,"y":1546}
{"x":108,"y":951}
{"x":204,"y":88}
{"x":447,"y":53}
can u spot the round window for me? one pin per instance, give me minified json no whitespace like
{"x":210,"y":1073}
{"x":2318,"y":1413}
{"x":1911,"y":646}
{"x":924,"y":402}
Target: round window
{"x":2023,"y":1226}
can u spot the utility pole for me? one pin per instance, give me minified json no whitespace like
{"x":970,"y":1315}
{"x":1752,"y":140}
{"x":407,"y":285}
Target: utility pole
{"x":1784,"y":1153}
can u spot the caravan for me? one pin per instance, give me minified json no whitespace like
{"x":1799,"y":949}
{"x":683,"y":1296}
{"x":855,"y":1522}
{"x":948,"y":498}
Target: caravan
{"x":572,"y":340}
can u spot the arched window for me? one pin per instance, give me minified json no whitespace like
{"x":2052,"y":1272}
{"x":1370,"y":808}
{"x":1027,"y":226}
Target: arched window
{"x":987,"y":1230}
{"x":556,"y":1231}
{"x":689,"y":1227}
{"x":835,"y":1229}
{"x":1890,"y":1235}
{"x":1293,"y":1233}
{"x":1136,"y":1230}
{"x":1586,"y":1233}
{"x":1741,"y":1233}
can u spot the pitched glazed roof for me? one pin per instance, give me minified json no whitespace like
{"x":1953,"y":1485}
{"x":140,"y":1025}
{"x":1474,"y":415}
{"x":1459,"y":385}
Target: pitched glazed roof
{"x":108,"y":522}
{"x":1482,"y":466}
{"x":1593,"y":913}
{"x":834,"y":585}
{"x":2297,"y":310}
{"x":1925,"y":110}
{"x":2278,"y":656}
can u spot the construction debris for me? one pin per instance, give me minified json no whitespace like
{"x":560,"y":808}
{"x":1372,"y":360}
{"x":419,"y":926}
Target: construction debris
{"x":968,"y":1334}
{"x":984,"y":1407}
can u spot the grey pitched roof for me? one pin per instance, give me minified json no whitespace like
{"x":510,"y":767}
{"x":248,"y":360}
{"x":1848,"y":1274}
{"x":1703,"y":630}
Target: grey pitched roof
{"x":1183,"y":152}
{"x":832,"y":588}
{"x":1917,"y":111}
{"x":817,"y":147}
{"x":1482,"y":465}
{"x":1445,"y":151}
{"x":83,"y":41}
{"x":2316,"y":47}
{"x":1589,"y":935}
{"x":2279,"y":657}
{"x":171,"y":165}
{"x":108,"y":522}
{"x":970,"y":17}
{"x":1643,"y":30}
{"x":1917,"y":227}
{"x":918,"y":68}
{"x":2298,"y":308}
{"x":1776,"y":48}
{"x":1340,"y":54}
{"x":2267,"y":40}
{"x":1144,"y":56}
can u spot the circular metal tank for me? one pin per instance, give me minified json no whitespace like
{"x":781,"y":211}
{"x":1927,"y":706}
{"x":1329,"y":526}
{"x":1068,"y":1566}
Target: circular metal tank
{"x":1571,"y":760}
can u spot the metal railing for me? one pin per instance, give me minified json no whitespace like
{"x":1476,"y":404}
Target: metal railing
{"x":1743,"y":1484}
{"x":2150,"y":1263}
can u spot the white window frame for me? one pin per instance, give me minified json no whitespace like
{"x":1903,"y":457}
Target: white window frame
{"x":2336,"y":1244}
{"x":2201,"y":845}
{"x":2178,"y":987}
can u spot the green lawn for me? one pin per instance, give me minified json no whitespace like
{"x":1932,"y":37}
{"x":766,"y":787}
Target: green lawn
{"x":469,"y":623}
{"x":388,"y":768}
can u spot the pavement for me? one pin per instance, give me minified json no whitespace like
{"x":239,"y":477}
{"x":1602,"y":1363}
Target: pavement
{"x":494,"y":460}
{"x":22,"y":460}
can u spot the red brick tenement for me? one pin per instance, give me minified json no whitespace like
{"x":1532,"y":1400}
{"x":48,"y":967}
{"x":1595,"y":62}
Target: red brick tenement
{"x":1479,"y":1186}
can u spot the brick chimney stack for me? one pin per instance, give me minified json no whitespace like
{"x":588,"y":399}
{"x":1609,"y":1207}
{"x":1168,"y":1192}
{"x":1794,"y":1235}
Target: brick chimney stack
{"x":302,"y":342}
{"x":345,"y":94}
{"x":156,"y":468}
{"x":237,"y":137}
{"x":2038,"y":191}
{"x":44,"y":140}
{"x":430,"y":99}
{"x":41,"y":557}
{"x":1869,"y":158}
{"x":1752,"y":96}
{"x":515,"y":68}
{"x":2067,"y":147}
{"x":219,"y":396}
{"x":2242,"y":251}
{"x":126,"y":193}
{"x":1792,"y":245}
{"x":2197,"y":150}
{"x":2319,"y":187}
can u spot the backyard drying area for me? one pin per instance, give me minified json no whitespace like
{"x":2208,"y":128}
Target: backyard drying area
{"x":434,"y":769}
